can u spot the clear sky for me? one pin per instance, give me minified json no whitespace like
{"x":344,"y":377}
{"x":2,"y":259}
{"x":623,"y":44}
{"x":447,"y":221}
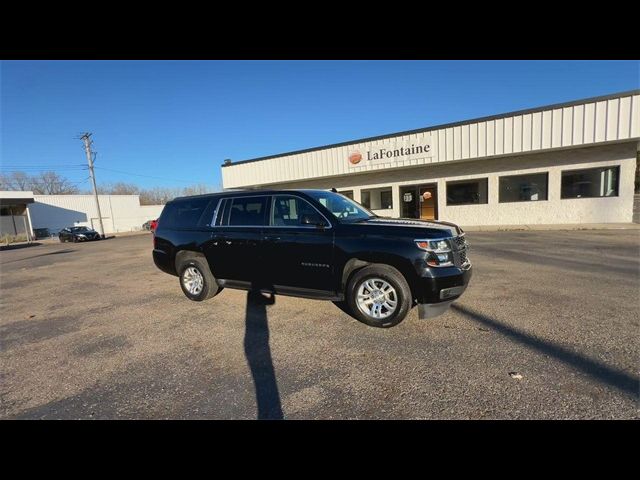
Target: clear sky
{"x":178,"y":120}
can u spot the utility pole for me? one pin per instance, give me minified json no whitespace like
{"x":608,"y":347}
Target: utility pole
{"x":87,"y":149}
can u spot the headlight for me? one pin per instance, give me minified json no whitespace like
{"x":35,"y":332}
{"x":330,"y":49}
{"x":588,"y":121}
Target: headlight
{"x":437,"y":246}
{"x":440,"y":254}
{"x":80,"y":235}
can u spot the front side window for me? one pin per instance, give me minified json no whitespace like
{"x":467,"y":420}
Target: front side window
{"x":290,"y":211}
{"x":248,"y":211}
{"x":340,"y":206}
{"x":523,"y":188}
{"x":589,"y":183}
{"x":467,"y":192}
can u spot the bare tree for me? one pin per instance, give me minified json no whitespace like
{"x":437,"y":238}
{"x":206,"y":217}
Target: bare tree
{"x":118,"y":188}
{"x":158,"y":195}
{"x":198,"y":189}
{"x":5,"y":182}
{"x":15,"y":181}
{"x":50,"y":183}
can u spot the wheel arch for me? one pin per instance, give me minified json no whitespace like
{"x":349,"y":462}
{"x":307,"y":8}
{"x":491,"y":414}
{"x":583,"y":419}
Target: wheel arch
{"x":399,"y":263}
{"x":184,"y":255}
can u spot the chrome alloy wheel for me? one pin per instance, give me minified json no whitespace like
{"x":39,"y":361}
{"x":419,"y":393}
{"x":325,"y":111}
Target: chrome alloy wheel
{"x":192,"y":280}
{"x":376,"y":298}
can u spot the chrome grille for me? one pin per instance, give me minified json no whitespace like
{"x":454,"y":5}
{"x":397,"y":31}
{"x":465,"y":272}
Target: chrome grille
{"x":460,"y":248}
{"x":459,"y":242}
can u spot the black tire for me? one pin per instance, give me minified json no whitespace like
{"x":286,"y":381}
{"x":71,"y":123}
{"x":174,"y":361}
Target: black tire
{"x":209,"y":286}
{"x":61,"y":239}
{"x":394,"y":278}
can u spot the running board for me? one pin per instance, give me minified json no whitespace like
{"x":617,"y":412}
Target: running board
{"x":282,"y":290}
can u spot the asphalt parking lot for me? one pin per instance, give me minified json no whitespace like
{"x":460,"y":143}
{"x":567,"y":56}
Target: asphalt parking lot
{"x":548,"y":329}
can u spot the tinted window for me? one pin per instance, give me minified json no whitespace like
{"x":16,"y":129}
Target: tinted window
{"x":184,"y":213}
{"x":467,"y":192}
{"x":594,"y":182}
{"x":523,"y":188}
{"x":340,"y":206}
{"x":248,"y":211}
{"x":290,"y":211}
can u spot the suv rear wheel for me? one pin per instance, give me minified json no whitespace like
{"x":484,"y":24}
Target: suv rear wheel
{"x":196,"y":280}
{"x":379,"y":296}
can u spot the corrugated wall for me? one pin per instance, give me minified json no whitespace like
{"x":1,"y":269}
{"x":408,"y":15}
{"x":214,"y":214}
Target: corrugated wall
{"x":582,"y":124}
{"x":120,"y":213}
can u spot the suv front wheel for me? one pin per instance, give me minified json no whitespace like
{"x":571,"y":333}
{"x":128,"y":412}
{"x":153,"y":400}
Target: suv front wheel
{"x":379,"y":296}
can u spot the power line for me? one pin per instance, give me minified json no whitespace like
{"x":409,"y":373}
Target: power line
{"x":43,"y":165}
{"x":150,"y":176}
{"x":38,"y":169}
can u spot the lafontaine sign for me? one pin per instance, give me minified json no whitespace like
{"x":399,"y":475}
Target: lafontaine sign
{"x":389,"y":153}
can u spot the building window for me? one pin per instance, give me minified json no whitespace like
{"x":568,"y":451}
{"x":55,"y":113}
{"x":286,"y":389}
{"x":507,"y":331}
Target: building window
{"x":348,"y":194}
{"x":467,"y":192}
{"x":377,"y":198}
{"x":589,"y":183}
{"x":524,"y":188}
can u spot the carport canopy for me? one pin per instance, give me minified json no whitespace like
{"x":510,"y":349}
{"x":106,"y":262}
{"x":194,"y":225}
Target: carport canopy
{"x":10,"y":198}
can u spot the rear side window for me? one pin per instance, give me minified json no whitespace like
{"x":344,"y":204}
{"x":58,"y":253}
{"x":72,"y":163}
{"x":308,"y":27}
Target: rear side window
{"x":245,"y":211}
{"x":185,"y":213}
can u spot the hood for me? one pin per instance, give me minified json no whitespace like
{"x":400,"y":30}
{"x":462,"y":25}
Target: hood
{"x":88,"y":233}
{"x":437,"y":227}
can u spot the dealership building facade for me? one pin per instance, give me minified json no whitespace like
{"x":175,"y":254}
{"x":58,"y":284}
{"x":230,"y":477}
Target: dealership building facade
{"x":560,"y":164}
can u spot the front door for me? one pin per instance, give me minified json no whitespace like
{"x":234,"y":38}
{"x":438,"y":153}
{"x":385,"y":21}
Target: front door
{"x":298,"y":250}
{"x":428,"y":206}
{"x":414,"y":203}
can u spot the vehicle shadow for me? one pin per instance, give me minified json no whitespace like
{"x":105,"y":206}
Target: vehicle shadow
{"x":18,"y":246}
{"x":57,"y":252}
{"x":603,"y":373}
{"x":258,"y":353}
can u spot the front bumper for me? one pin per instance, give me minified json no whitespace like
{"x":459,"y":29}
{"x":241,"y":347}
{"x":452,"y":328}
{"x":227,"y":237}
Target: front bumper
{"x":438,"y":285}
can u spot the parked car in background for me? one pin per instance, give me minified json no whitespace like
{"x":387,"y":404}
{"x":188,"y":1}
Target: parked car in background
{"x":150,"y":225}
{"x":41,"y":233}
{"x":78,"y":234}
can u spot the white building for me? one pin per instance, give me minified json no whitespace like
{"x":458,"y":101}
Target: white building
{"x":567,"y":163}
{"x":120,"y":213}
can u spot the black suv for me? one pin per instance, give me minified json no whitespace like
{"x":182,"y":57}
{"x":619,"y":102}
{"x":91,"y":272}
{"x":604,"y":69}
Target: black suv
{"x":315,"y":244}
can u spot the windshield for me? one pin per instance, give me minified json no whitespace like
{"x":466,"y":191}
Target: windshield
{"x":340,"y":206}
{"x":80,"y":229}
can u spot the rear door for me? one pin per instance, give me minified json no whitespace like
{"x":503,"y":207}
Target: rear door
{"x":236,"y":239}
{"x":298,"y":251}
